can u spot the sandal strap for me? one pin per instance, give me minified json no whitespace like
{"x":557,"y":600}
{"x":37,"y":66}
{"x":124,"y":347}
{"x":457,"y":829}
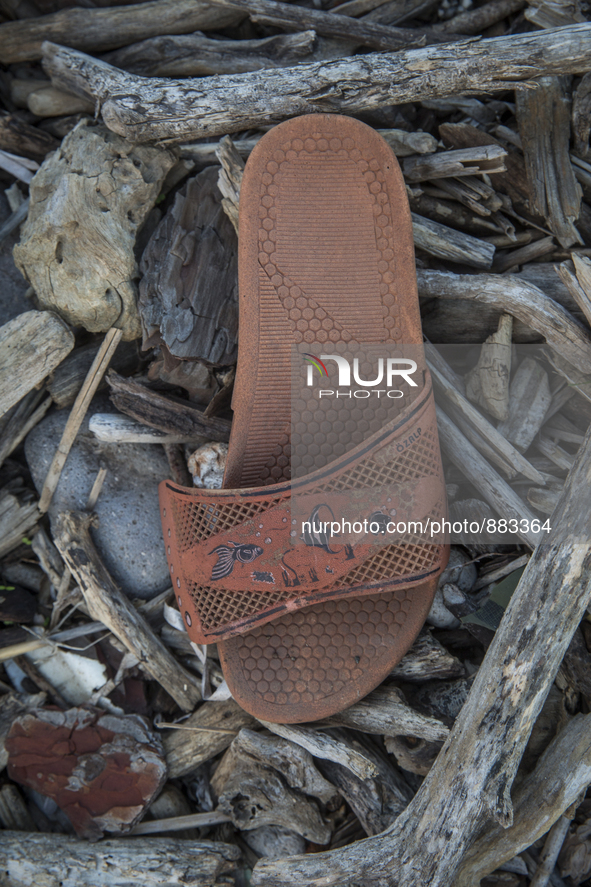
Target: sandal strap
{"x":240,"y":558}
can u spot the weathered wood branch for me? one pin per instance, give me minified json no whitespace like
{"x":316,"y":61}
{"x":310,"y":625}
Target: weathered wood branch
{"x":39,"y":858}
{"x":109,"y":605}
{"x":543,"y":115}
{"x":513,"y":295}
{"x":101,"y":29}
{"x":426,"y":843}
{"x":202,"y":736}
{"x":142,"y":109}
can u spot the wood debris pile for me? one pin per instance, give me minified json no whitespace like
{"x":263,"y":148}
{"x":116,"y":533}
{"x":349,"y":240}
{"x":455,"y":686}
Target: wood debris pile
{"x":123,"y":137}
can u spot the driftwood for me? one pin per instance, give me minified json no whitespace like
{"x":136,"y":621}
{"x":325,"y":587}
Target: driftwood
{"x":196,"y":55}
{"x":87,"y":272}
{"x":61,"y":859}
{"x":427,"y":659}
{"x":115,"y":428}
{"x":19,"y":515}
{"x":205,"y":734}
{"x":543,"y":117}
{"x":67,"y":379}
{"x":512,"y":295}
{"x":102,"y":29}
{"x":378,"y":800}
{"x":427,"y":841}
{"x":471,"y":161}
{"x":25,"y":140}
{"x":180,"y":111}
{"x":173,"y":416}
{"x":528,"y":404}
{"x":491,"y":486}
{"x":579,"y":283}
{"x":488,"y":383}
{"x":294,"y":763}
{"x":31,"y":347}
{"x":253,"y":795}
{"x":447,"y":243}
{"x":189,"y":288}
{"x":320,"y":745}
{"x":20,"y":419}
{"x":52,"y":102}
{"x":385,"y":712}
{"x":108,"y":604}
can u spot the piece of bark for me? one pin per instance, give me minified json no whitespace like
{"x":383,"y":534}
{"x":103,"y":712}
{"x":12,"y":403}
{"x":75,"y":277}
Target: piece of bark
{"x":25,"y":140}
{"x":470,"y":782}
{"x":467,"y":162}
{"x":427,"y":659}
{"x":512,"y":295}
{"x":109,"y":605}
{"x":385,"y":712}
{"x":447,"y":243}
{"x":196,"y":55}
{"x":183,"y":110}
{"x":378,"y":800}
{"x":31,"y":347}
{"x":294,"y":763}
{"x":581,"y":116}
{"x":102,"y":770}
{"x":253,"y":795}
{"x":579,"y":286}
{"x":102,"y":29}
{"x":55,"y":859}
{"x":16,"y":423}
{"x":19,"y":515}
{"x":204,"y":735}
{"x":189,"y":288}
{"x":12,"y":707}
{"x":543,"y":116}
{"x":529,"y":399}
{"x":488,"y":383}
{"x":320,"y":745}
{"x":67,"y":379}
{"x":86,"y":272}
{"x":173,"y":416}
{"x":490,"y":485}
{"x":230,"y":178}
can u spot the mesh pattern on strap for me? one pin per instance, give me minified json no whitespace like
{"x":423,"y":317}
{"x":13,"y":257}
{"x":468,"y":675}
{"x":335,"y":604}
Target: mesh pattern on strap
{"x":220,"y":608}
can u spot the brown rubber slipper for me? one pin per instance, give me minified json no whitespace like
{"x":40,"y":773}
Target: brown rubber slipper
{"x":306,"y":626}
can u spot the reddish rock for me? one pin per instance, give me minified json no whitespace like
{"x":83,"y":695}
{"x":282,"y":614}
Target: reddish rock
{"x":102,"y":770}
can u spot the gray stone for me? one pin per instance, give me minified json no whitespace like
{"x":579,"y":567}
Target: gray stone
{"x":129,"y":535}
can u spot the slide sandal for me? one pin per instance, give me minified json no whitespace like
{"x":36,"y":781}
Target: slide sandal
{"x":309,"y":616}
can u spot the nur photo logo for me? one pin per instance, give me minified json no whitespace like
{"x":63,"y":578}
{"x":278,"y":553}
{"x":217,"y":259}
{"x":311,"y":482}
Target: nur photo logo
{"x":388,"y":372}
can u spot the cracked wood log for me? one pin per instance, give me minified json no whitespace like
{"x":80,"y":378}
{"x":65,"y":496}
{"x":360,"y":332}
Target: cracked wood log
{"x":513,"y":295}
{"x":543,"y":116}
{"x":32,"y":345}
{"x":101,"y":29}
{"x":110,"y":606}
{"x":470,"y":782}
{"x":49,"y":859}
{"x":144,"y":109}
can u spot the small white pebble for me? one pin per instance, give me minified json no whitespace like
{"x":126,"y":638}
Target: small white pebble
{"x":207,"y":465}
